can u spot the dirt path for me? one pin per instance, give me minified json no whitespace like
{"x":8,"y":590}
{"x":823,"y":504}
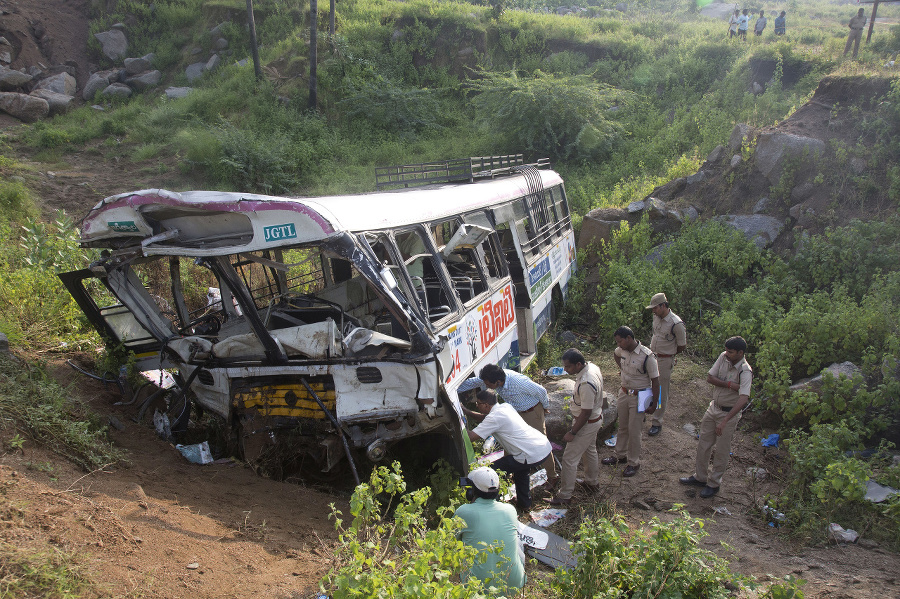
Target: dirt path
{"x":163,"y":527}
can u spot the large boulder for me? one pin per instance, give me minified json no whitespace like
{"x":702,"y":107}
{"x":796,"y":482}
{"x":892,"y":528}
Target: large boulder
{"x":59,"y":103}
{"x":134,"y":66}
{"x":61,"y":83}
{"x":598,"y":225}
{"x":114,"y":43}
{"x":847,"y":369}
{"x":739,"y":135}
{"x":11,"y":79}
{"x":195,"y":71}
{"x":24,"y":107}
{"x":761,"y":229}
{"x":178,"y":92}
{"x":773,"y":149}
{"x":96,"y":83}
{"x":144,"y":80}
{"x":117,"y":90}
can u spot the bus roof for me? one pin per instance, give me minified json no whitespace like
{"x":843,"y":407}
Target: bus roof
{"x":215,"y":222}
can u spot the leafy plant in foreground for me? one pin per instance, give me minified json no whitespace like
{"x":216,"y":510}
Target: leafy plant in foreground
{"x":664,"y":560}
{"x":389,"y":551}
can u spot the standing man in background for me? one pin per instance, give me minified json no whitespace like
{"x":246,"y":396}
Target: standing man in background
{"x":640,"y":375}
{"x":760,"y":23}
{"x":731,"y":378}
{"x":528,"y":398}
{"x":669,"y":339}
{"x":743,"y":24}
{"x":581,"y":440}
{"x":780,"y":24}
{"x":856,"y":25}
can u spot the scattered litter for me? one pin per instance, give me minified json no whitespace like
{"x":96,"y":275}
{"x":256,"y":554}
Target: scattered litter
{"x":193,"y":566}
{"x":161,"y":424}
{"x":489,"y":443}
{"x":838,"y":534}
{"x":771,"y":440}
{"x":691,"y":430}
{"x":556,"y":446}
{"x":757,"y":473}
{"x":546,"y":517}
{"x":611,"y":442}
{"x":197,"y":453}
{"x":877,"y":493}
{"x":556,"y":371}
{"x":722,"y":510}
{"x":777,"y":517}
{"x":532,"y":537}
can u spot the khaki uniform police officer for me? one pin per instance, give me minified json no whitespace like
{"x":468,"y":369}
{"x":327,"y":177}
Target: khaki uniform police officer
{"x":731,"y":378}
{"x":639,"y":371}
{"x":669,"y":339}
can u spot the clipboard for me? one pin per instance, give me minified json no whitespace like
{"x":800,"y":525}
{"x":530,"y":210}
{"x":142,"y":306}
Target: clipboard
{"x":645,"y":396}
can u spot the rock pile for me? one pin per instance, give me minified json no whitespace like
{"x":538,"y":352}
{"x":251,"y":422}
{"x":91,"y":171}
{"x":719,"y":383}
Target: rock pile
{"x":36,"y":91}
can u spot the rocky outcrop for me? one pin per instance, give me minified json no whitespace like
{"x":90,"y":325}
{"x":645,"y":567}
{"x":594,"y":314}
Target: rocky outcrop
{"x":59,"y":103}
{"x":117,"y":90}
{"x":61,"y":83}
{"x":114,"y":43}
{"x":773,"y":149}
{"x":846,"y":369}
{"x":144,"y":80}
{"x":24,"y":107}
{"x":11,"y":79}
{"x":760,"y":229}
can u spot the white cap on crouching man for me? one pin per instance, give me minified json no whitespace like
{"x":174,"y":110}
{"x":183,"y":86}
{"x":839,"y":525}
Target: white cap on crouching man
{"x":659,"y":298}
{"x":485,"y":479}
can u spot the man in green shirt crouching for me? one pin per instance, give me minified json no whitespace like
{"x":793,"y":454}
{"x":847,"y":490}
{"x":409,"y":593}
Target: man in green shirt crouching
{"x":492,"y":523}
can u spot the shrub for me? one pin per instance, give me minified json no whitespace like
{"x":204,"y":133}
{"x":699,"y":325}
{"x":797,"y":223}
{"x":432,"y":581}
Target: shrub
{"x":400,"y":556}
{"x":564,"y":117}
{"x":665,"y":560}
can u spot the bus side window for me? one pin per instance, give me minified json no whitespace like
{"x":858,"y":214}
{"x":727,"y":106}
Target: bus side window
{"x":462,"y":264}
{"x":420,"y":266}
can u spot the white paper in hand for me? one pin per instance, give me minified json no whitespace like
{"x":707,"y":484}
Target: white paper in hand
{"x":645,"y":396}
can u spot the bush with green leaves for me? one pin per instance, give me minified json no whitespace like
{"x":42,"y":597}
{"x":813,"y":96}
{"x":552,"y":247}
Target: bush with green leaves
{"x":35,"y":308}
{"x":827,"y":483}
{"x":616,"y":561}
{"x":388,"y":550}
{"x":567,"y":117}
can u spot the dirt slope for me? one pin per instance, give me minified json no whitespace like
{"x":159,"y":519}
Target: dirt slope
{"x":138,"y":529}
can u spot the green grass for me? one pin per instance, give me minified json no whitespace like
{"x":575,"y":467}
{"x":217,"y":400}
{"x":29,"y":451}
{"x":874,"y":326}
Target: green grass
{"x":51,"y":415}
{"x":50,"y":574}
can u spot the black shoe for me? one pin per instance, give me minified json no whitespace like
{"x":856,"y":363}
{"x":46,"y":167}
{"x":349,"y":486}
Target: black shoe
{"x":630,"y":471}
{"x":613,"y":460}
{"x":690,"y":480}
{"x":654,"y":430}
{"x":708,"y":492}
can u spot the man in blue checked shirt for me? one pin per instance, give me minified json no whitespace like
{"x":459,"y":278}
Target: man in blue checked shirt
{"x":528,"y":398}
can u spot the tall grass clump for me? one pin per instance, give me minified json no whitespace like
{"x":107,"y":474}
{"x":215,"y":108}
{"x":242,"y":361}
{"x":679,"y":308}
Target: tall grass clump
{"x":51,"y":416}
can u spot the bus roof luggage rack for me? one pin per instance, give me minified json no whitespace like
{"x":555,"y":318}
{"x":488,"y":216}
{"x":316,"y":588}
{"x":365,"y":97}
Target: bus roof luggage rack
{"x":451,"y":171}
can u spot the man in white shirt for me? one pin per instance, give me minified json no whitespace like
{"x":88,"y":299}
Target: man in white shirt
{"x":525,"y":447}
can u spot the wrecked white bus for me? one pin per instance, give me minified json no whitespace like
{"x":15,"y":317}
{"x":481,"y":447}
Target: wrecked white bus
{"x":340,"y":326}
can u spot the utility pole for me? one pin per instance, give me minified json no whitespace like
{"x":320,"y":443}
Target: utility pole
{"x":253,"y":47}
{"x":331,"y":20}
{"x":313,"y":54}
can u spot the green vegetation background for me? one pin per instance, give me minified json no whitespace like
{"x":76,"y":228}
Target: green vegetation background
{"x":621,"y":102}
